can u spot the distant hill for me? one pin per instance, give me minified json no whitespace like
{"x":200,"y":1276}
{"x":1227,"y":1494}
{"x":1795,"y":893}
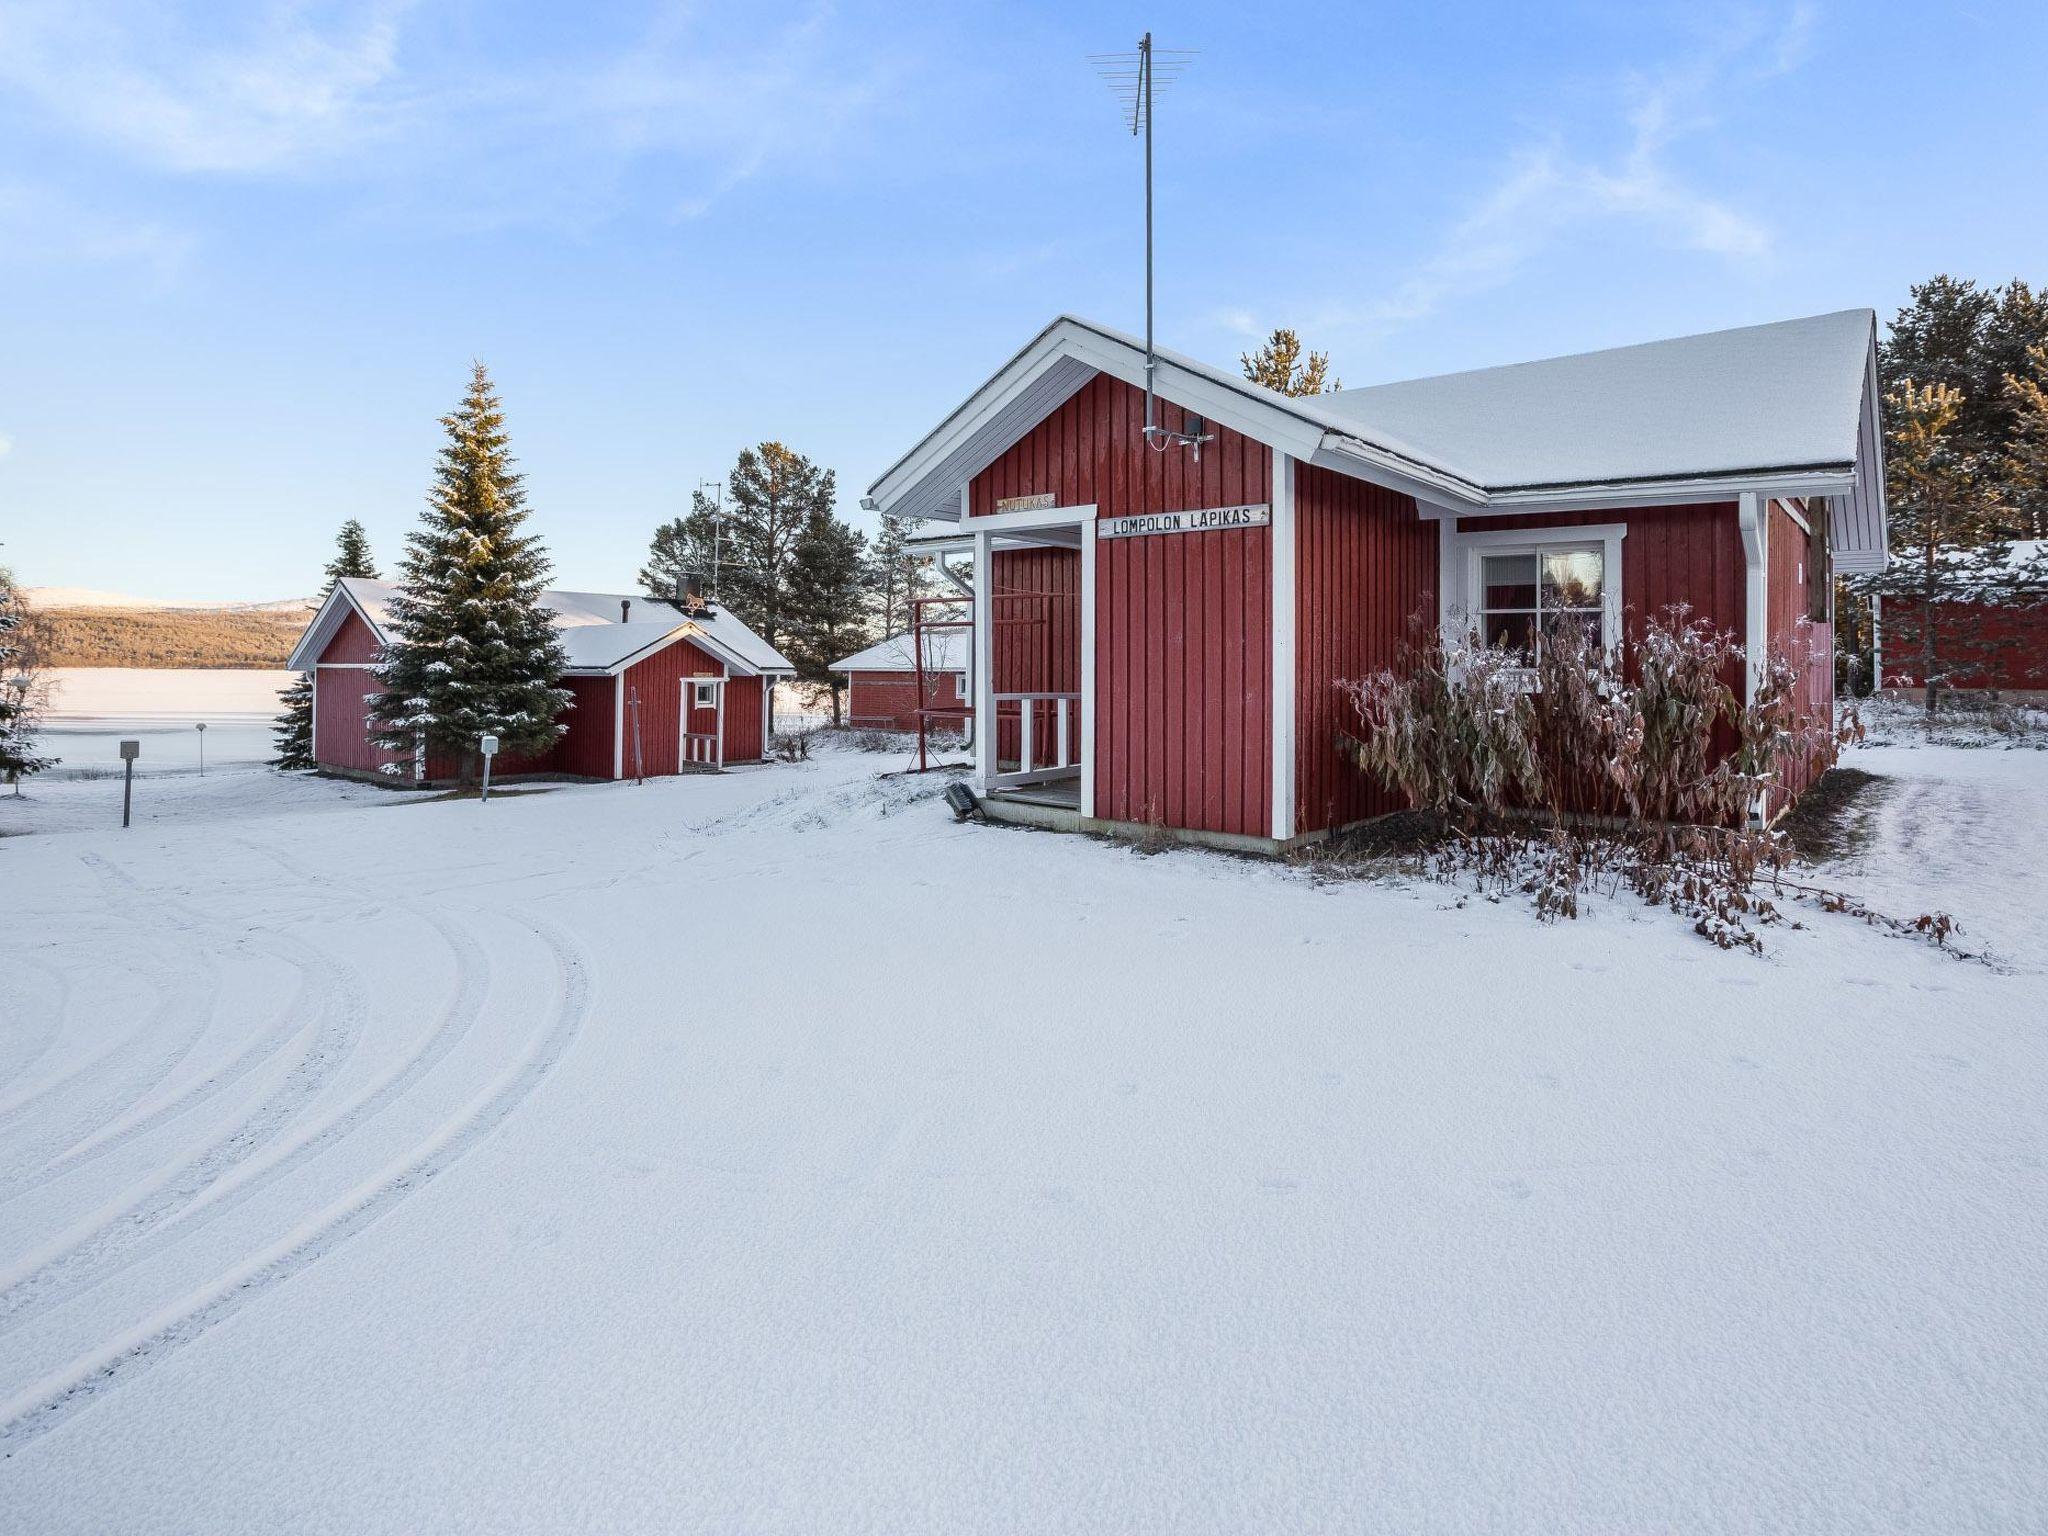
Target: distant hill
{"x":253,"y":636}
{"x":46,"y":599}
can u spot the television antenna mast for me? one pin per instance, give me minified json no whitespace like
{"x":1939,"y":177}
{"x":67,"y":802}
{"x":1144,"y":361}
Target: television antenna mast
{"x":1135,"y":79}
{"x":717,"y":498}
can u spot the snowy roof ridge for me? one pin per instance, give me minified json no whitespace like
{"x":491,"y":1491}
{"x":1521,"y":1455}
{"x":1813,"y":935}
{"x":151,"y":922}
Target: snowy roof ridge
{"x":593,"y":636}
{"x":945,"y":650}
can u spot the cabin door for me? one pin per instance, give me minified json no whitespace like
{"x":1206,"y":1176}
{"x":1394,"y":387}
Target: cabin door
{"x":703,"y":722}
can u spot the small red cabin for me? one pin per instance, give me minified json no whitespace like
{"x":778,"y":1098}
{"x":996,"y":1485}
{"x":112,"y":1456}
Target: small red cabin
{"x":1160,"y":628}
{"x":881,"y":683}
{"x":2009,"y":629}
{"x":655,"y":689}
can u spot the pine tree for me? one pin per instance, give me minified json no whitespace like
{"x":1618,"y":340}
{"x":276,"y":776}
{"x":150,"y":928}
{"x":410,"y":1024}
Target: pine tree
{"x":1949,"y":556}
{"x":827,"y":605}
{"x":1972,"y":340}
{"x":682,"y":547}
{"x":1279,"y":365}
{"x":472,"y":651}
{"x":293,"y":732}
{"x":773,"y":494}
{"x":22,"y":690}
{"x":897,"y":574}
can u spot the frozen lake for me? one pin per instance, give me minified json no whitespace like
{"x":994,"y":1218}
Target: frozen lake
{"x":92,"y":709}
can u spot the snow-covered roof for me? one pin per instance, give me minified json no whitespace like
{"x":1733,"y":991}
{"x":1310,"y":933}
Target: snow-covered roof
{"x":1763,"y":397}
{"x":945,"y":650}
{"x":1786,"y":409}
{"x":588,"y":625}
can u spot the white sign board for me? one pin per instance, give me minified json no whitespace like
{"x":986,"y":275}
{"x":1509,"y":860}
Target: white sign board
{"x":1202,"y":520}
{"x":1043,"y":502}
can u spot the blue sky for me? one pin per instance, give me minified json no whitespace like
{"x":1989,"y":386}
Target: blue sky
{"x":248,"y":251}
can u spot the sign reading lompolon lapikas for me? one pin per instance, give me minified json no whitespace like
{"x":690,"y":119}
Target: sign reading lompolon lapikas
{"x":1201,"y":520}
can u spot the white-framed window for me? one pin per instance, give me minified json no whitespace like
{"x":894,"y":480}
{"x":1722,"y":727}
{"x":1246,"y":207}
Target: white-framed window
{"x":1521,"y":583}
{"x":960,"y":686}
{"x":703,"y":695}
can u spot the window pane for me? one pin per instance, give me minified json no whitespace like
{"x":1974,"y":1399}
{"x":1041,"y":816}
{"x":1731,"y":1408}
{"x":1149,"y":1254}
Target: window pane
{"x":1511,"y":631}
{"x":1572,"y":578}
{"x":1508,"y":581}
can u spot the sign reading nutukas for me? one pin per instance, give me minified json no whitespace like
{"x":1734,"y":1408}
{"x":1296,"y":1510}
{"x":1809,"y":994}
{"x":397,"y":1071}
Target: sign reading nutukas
{"x":1202,"y":520}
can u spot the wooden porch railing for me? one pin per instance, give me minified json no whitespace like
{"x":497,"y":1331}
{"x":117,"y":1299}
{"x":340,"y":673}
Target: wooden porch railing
{"x":1030,"y":713}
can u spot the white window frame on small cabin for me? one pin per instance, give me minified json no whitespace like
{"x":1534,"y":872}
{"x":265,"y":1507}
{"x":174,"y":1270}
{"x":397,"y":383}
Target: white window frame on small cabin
{"x":1471,"y":549}
{"x":703,"y":693}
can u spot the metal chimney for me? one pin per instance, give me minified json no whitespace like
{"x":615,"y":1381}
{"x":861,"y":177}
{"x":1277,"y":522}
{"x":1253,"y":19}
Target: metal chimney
{"x":625,"y":610}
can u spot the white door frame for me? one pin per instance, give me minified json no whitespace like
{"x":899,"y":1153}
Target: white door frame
{"x":982,"y":673}
{"x":689,"y":684}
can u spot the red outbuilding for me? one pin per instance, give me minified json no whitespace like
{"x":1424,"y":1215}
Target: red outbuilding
{"x":882,"y":683}
{"x":657,"y":687}
{"x":1160,"y":628}
{"x":2008,"y":629}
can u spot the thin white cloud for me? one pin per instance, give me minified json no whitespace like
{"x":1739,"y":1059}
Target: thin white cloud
{"x":361,"y":92}
{"x":1547,"y":192}
{"x":279,"y":93}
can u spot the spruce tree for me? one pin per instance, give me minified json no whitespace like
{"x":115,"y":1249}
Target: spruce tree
{"x":293,"y":732}
{"x":827,"y":604}
{"x":896,"y":574}
{"x":22,"y":690}
{"x":472,"y":650}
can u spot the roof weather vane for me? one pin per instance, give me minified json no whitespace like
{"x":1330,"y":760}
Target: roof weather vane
{"x":1135,"y":78}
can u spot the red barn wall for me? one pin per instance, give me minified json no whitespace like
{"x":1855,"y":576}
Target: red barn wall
{"x":353,"y":642}
{"x":586,"y":747}
{"x":1183,"y":635}
{"x":1366,"y":572}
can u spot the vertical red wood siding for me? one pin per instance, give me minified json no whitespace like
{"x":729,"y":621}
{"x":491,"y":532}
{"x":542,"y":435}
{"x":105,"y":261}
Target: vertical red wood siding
{"x":1788,"y":596}
{"x":1366,"y":574}
{"x":586,"y":747}
{"x":1183,"y":632}
{"x":341,"y":731}
{"x":353,"y":642}
{"x":658,"y":681}
{"x":743,"y":740}
{"x":1037,"y":642}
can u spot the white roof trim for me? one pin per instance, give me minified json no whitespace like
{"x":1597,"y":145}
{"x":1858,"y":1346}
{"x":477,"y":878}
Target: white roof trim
{"x":325,"y":624}
{"x":927,"y":481}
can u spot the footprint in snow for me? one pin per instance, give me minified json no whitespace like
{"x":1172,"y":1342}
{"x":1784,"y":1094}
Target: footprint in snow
{"x":1514,"y":1189}
{"x":1279,"y":1186}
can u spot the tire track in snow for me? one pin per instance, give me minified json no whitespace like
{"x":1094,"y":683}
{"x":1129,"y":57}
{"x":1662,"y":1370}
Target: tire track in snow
{"x":289,"y":1022}
{"x":41,"y":1407}
{"x":224,"y":1176}
{"x":36,"y":1048}
{"x":191,"y":994}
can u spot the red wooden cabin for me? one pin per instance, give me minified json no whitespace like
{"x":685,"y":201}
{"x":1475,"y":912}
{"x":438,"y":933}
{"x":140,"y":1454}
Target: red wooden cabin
{"x":882,"y":683}
{"x":1159,"y":632}
{"x":2010,"y":653}
{"x":655,"y":689}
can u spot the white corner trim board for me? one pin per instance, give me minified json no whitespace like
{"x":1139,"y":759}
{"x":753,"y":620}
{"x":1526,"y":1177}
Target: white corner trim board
{"x":1283,"y":682}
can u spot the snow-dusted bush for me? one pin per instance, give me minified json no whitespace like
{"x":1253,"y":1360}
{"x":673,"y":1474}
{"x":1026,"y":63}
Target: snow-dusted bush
{"x":1582,"y":769}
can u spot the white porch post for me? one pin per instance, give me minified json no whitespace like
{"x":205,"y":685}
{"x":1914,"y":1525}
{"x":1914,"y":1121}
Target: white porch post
{"x":1088,"y":667}
{"x":984,"y":679}
{"x":1282,"y":609}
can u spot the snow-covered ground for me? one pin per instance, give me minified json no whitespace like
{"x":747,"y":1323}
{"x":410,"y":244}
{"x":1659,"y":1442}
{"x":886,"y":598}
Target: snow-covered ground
{"x":768,"y":1153}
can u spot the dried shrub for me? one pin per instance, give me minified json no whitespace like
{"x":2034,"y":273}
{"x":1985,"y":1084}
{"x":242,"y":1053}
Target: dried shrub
{"x":1580,"y":771}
